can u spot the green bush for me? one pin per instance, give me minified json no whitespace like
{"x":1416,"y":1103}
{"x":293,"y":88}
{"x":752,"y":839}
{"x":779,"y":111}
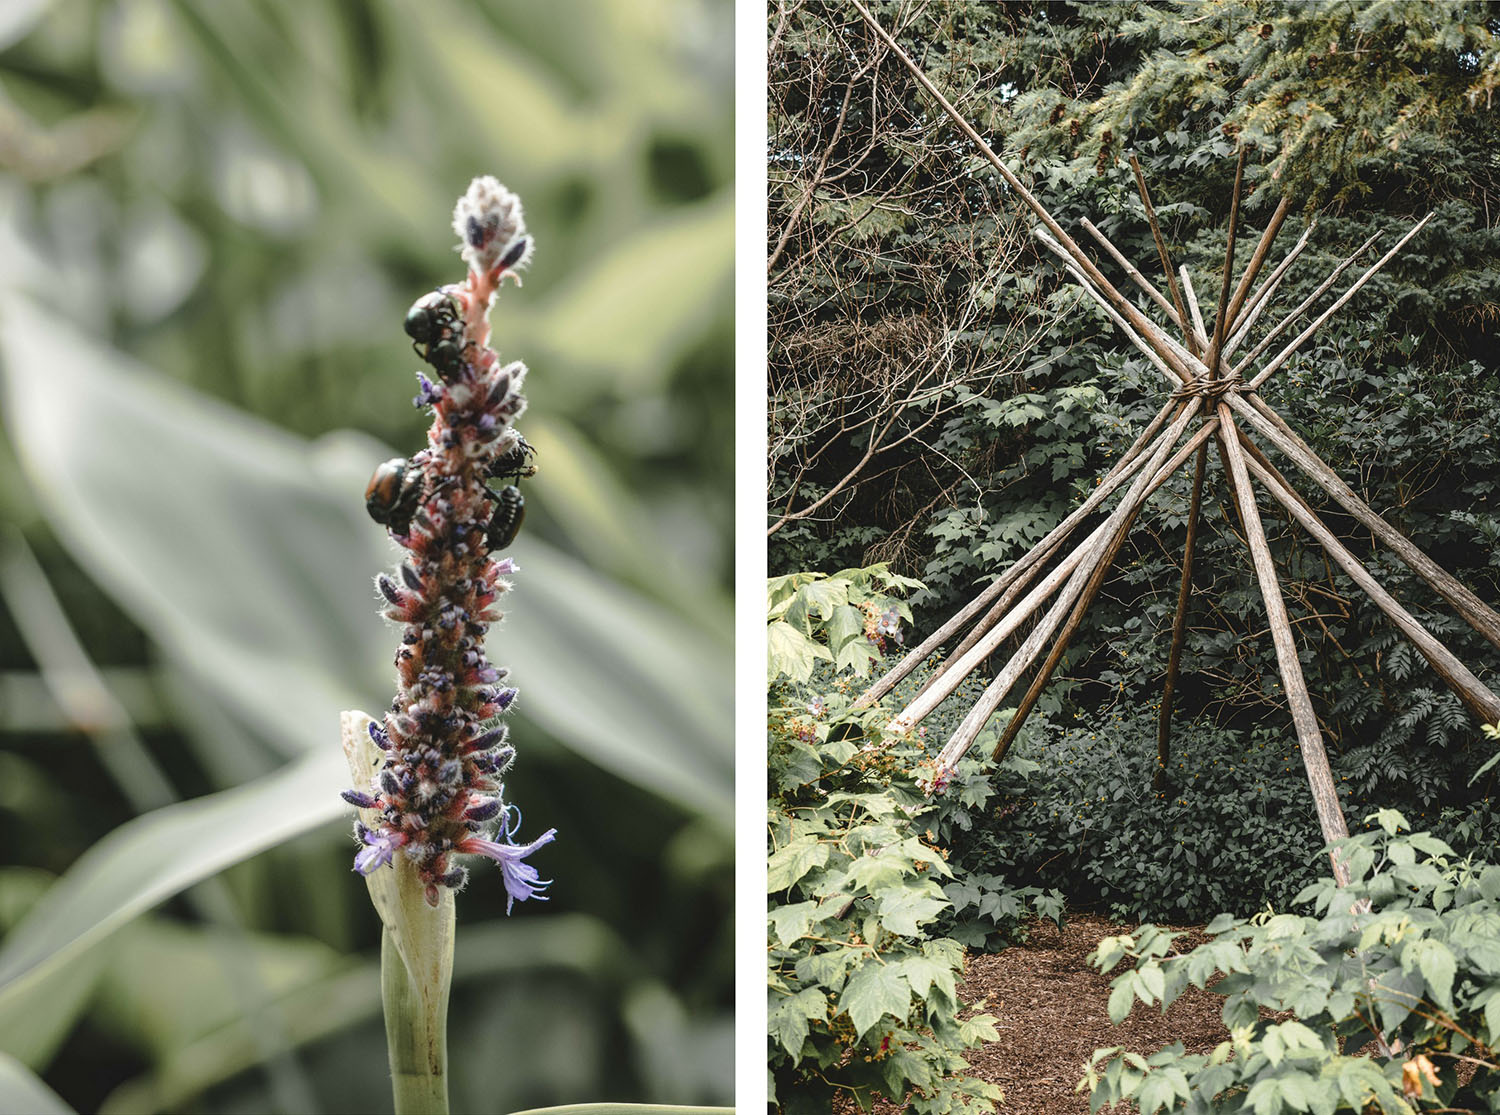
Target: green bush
{"x":1233,"y":828}
{"x":868,"y":921}
{"x":1404,"y":961}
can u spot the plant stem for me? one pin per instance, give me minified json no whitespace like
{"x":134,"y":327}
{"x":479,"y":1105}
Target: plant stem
{"x":416,"y":958}
{"x":417,"y":1038}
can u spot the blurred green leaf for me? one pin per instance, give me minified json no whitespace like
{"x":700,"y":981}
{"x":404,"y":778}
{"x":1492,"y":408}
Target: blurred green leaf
{"x":21,"y":1091}
{"x":247,"y":555}
{"x":36,"y":1021}
{"x":675,"y":274}
{"x":625,"y":1109}
{"x":608,"y":524}
{"x":171,"y":984}
{"x":340,"y":999}
{"x":18,"y":17}
{"x":149,"y":859}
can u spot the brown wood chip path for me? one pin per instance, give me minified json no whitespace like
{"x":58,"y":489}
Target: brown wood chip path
{"x":1052,"y":1012}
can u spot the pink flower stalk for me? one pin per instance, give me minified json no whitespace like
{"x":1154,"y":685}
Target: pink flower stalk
{"x":438,"y":789}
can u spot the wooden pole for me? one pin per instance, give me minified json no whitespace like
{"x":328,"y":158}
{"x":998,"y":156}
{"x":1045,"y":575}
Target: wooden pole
{"x":1121,"y":303}
{"x":1262,"y":297}
{"x":1082,"y":556}
{"x":1179,"y":628}
{"x":1086,"y":598}
{"x":1475,"y":612}
{"x":1129,"y":462}
{"x":964,"y":735}
{"x":1199,"y":328}
{"x":1161,"y":249}
{"x":1286,"y":322}
{"x":1309,"y":738}
{"x":1135,"y":275}
{"x":1257,"y":260}
{"x":1042,"y":551}
{"x":1161,"y":347}
{"x":1285,"y":354}
{"x":1474,"y":694}
{"x":1221,"y":315}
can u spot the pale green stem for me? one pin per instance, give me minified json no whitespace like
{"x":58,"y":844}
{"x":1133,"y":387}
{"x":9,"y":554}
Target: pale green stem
{"x":416,"y":957}
{"x":417,"y":1039}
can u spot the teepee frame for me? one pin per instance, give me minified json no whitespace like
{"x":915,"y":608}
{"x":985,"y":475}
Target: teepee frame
{"x":1208,"y":390}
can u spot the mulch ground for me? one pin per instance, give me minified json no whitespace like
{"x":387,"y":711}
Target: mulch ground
{"x":1052,"y":1010}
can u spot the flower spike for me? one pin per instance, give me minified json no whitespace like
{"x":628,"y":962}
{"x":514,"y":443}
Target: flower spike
{"x":436,"y":791}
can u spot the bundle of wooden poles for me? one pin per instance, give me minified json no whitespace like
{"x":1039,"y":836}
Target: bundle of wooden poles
{"x":1210,"y":391}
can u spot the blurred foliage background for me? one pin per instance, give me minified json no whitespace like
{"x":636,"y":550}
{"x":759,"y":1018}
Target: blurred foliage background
{"x":212,"y":220}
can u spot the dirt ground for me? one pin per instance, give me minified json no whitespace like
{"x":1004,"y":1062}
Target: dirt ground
{"x":1051,"y":1007}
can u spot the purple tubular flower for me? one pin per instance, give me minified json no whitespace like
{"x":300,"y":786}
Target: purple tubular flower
{"x":492,"y":738}
{"x":380,"y":846}
{"x":354,"y":797}
{"x":427,"y":393}
{"x":522,"y":880}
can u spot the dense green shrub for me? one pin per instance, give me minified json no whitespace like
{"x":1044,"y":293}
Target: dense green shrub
{"x":1394,"y":983}
{"x":868,"y":920}
{"x":1233,"y":829}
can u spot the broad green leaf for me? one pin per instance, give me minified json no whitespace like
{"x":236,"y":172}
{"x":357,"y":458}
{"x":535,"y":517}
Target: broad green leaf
{"x":18,"y":18}
{"x":1264,"y":1097}
{"x":924,"y":974}
{"x":1438,"y":967}
{"x":873,"y":992}
{"x":147,"y":860}
{"x":39,"y":1018}
{"x":792,"y":922}
{"x":263,"y":586}
{"x":904,"y":910}
{"x":607,"y":523}
{"x":789,"y":864}
{"x":822,"y":598}
{"x":788,"y":1017}
{"x":21,"y":1091}
{"x":856,"y":655}
{"x":171,"y":985}
{"x":320,"y":1008}
{"x":847,"y":622}
{"x":1296,"y":1091}
{"x":1273,"y":1047}
{"x":1156,"y":1092}
{"x":1122,"y":997}
{"x":790,"y":652}
{"x":1153,"y":979}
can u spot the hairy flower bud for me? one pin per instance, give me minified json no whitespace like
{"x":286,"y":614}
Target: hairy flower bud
{"x":489,"y":222}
